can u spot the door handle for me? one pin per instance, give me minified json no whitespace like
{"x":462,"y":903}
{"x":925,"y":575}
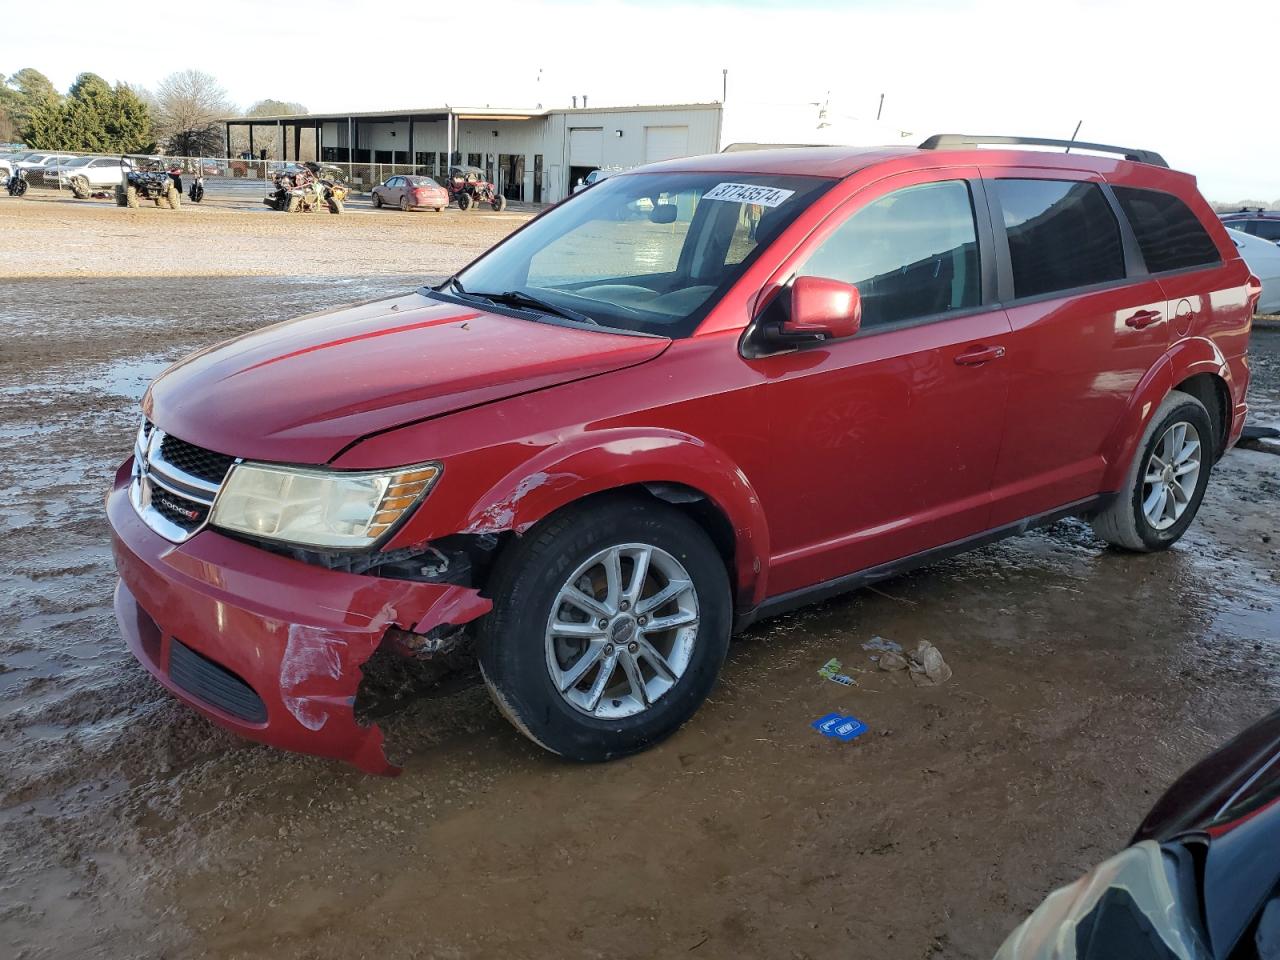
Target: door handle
{"x":1143,"y":318}
{"x":979,"y":355}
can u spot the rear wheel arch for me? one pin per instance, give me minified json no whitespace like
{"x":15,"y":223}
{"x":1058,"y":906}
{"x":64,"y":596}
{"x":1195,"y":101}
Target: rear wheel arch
{"x":1212,"y":391}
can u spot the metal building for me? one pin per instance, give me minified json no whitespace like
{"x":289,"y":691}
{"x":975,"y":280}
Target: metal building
{"x":534,"y":155}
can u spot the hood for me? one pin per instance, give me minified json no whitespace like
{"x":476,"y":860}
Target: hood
{"x":303,"y":390}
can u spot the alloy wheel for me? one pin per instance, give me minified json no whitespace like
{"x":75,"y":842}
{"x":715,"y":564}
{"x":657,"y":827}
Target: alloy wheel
{"x":1169,"y":481}
{"x":622,"y":630}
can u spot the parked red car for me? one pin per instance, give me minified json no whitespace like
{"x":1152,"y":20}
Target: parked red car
{"x":411,"y":193}
{"x":698,"y":394}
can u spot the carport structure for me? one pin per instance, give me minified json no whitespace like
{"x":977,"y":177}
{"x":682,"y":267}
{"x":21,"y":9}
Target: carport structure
{"x":530,"y":154}
{"x":422,"y":142}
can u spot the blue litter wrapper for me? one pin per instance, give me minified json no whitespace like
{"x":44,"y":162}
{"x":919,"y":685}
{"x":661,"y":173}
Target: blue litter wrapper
{"x":839,"y":727}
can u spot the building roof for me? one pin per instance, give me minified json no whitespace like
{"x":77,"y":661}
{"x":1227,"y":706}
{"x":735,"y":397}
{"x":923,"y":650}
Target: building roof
{"x":462,"y":112}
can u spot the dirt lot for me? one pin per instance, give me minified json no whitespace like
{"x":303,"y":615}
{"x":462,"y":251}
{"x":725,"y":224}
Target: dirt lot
{"x":1085,"y":680}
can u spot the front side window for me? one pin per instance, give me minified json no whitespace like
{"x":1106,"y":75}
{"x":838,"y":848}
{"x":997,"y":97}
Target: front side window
{"x":1062,"y":235}
{"x":1170,"y":236}
{"x":650,"y":253}
{"x":912,"y":253}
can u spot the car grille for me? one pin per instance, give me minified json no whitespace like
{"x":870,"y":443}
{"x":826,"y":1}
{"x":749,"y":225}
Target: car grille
{"x":196,"y":461}
{"x":174,"y":482}
{"x":213,"y":683}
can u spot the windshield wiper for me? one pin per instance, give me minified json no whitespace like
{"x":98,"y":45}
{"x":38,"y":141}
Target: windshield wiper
{"x":518,"y":298}
{"x":453,"y":283}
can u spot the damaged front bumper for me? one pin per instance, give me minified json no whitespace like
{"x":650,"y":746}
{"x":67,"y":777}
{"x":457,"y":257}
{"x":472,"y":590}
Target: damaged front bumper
{"x":264,"y":645}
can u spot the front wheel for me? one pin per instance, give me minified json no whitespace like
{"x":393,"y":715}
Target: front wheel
{"x":609,"y":627}
{"x":377,"y":201}
{"x":174,"y":196}
{"x":464,"y":201}
{"x":80,"y":188}
{"x":498,"y":203}
{"x":1166,"y":481}
{"x":335,"y":205}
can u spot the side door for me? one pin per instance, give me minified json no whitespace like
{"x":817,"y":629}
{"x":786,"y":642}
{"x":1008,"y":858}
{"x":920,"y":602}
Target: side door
{"x":1088,"y":323}
{"x":883,"y":445}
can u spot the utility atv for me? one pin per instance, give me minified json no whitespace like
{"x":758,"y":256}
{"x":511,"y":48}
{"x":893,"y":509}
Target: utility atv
{"x":304,"y":188}
{"x":468,"y":186}
{"x":145,"y":178}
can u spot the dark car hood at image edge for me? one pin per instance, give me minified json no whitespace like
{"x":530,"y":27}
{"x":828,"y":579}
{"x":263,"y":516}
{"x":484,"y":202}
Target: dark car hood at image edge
{"x":303,"y":390}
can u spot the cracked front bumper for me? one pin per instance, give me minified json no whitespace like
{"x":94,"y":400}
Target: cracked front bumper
{"x":293,"y":634}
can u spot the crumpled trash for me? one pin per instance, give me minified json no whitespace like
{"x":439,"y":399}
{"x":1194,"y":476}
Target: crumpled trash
{"x":928,"y":669}
{"x":892,"y":660}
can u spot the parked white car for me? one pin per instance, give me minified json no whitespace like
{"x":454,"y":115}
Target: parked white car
{"x":1263,"y":258}
{"x":85,"y":174}
{"x":35,"y":161}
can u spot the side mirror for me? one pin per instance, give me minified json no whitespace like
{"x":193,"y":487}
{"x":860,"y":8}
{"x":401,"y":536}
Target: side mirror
{"x":821,"y":309}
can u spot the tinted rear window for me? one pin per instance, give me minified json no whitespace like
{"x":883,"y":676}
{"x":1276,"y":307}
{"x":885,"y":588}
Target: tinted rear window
{"x":1062,"y":234}
{"x":1170,"y":236}
{"x":1267,"y":229}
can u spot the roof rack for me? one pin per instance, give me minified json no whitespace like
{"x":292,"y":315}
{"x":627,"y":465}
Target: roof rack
{"x":961,"y":141}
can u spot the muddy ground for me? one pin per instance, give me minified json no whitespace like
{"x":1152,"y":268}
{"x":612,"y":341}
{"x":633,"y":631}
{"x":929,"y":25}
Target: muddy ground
{"x":1085,"y":680}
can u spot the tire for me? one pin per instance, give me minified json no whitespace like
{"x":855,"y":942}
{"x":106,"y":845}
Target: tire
{"x":499,"y":204}
{"x":162,"y":202}
{"x":404,"y":204}
{"x":438,"y":209}
{"x":80,"y":188}
{"x":174,"y":196}
{"x":512,"y":644}
{"x":377,"y":202}
{"x":335,"y":205}
{"x":1126,"y":523}
{"x":131,"y":197}
{"x":464,"y":201}
{"x":121,"y":199}
{"x":292,"y":203}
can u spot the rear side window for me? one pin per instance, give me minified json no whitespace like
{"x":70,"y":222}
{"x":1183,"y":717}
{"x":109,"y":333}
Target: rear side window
{"x":1062,"y":234}
{"x":1267,"y":230}
{"x":1170,"y":236}
{"x":911,"y":253}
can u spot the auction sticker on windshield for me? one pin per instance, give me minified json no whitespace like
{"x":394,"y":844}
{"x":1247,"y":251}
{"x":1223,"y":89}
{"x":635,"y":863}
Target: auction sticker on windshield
{"x":747,"y":193}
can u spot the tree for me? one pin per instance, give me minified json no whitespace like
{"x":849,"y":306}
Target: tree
{"x":274,"y":108}
{"x":22,"y":95}
{"x":95,"y":117}
{"x":189,"y":106}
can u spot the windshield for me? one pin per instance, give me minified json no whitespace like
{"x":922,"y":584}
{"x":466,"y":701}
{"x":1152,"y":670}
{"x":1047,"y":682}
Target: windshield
{"x":650,"y":253}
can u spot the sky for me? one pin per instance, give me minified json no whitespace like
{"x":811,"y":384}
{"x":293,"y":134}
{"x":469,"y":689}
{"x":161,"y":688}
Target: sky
{"x":1163,"y":76}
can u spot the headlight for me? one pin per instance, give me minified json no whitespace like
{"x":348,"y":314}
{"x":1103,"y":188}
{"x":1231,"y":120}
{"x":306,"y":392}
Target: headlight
{"x":319,"y":508}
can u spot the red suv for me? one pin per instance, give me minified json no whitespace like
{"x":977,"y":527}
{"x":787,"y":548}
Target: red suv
{"x":697,"y":394}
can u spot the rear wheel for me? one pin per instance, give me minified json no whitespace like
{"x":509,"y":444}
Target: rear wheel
{"x":131,"y":197}
{"x":499,"y":203}
{"x":1166,"y":481}
{"x":404,"y":204}
{"x":121,"y":199}
{"x":291,"y":203}
{"x":80,"y":188}
{"x":464,"y":201}
{"x":609,"y":627}
{"x":174,"y":196}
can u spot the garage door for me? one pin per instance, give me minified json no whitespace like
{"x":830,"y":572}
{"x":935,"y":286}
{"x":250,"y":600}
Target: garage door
{"x":665,"y":143}
{"x":586,"y":146}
